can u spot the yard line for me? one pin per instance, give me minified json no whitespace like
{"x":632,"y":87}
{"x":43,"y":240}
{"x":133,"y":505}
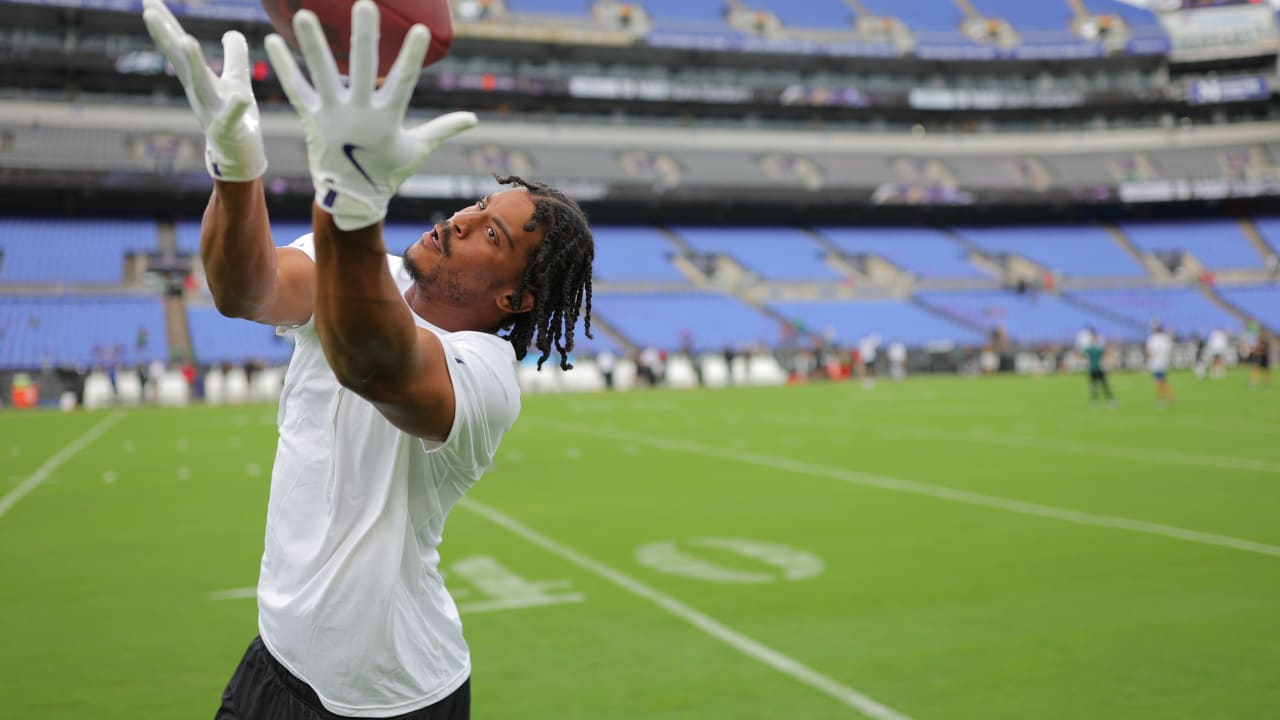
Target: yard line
{"x":42,"y":473}
{"x":1229,"y":462}
{"x":916,"y":487}
{"x":740,"y":642}
{"x":1128,"y":417}
{"x":1131,"y":453}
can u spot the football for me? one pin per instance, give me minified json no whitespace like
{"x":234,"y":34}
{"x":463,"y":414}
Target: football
{"x":395,"y":19}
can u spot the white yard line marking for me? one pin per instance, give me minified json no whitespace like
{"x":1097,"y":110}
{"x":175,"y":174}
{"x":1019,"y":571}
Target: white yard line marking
{"x":42,"y":473}
{"x":1175,"y":457}
{"x":1131,"y":453}
{"x":747,"y":646}
{"x":242,"y":593}
{"x":915,"y":487}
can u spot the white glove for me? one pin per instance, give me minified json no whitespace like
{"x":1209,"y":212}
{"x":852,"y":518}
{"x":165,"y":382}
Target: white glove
{"x":224,"y":105}
{"x":357,"y":147}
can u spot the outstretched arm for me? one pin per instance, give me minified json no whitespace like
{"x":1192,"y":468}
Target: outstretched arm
{"x":248,"y":275}
{"x":358,"y":153}
{"x":369,"y":336}
{"x":245,"y":276}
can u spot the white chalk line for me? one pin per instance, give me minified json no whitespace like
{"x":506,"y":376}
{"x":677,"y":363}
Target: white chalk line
{"x":740,"y":642}
{"x":915,"y":487}
{"x":66,"y":453}
{"x":1176,"y":457}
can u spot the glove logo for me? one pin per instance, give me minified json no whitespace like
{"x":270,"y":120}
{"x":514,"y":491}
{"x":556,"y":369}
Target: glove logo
{"x":349,"y":149}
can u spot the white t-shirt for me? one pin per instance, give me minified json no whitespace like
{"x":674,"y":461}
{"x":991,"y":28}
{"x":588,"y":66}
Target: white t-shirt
{"x":350,"y":596}
{"x":1159,"y":348}
{"x":1217,"y":343}
{"x":867,"y":348}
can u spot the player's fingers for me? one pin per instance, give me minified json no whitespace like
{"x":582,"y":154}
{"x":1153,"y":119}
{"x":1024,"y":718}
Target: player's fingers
{"x":235,"y":57}
{"x":296,"y":88}
{"x":431,"y":135}
{"x":318,"y":56}
{"x":402,"y":78}
{"x":364,"y":50}
{"x":163,"y":33}
{"x":200,"y":80}
{"x":161,"y":18}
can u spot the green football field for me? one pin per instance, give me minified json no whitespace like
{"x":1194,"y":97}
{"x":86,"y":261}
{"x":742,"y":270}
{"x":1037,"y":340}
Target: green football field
{"x":939,"y":548}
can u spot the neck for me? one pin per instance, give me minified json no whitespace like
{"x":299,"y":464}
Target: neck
{"x":450,"y":318}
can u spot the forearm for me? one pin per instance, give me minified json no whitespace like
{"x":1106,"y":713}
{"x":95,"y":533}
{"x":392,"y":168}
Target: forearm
{"x":365,"y":327}
{"x":236,"y":248}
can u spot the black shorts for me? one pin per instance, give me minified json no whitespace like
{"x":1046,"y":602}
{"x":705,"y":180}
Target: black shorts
{"x":262,"y":689}
{"x":1095,"y":375}
{"x":1262,"y":360}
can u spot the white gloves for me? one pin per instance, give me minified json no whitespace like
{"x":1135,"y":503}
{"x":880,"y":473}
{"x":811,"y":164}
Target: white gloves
{"x":224,"y":105}
{"x":357,"y":148}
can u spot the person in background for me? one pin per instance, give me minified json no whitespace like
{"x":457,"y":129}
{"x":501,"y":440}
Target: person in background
{"x":897,"y":353}
{"x":1095,"y":351}
{"x":606,"y":361}
{"x":1258,"y":351}
{"x":1159,"y":352}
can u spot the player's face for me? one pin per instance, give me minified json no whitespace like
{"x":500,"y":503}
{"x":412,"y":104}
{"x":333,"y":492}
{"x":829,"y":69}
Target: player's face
{"x":478,"y":255}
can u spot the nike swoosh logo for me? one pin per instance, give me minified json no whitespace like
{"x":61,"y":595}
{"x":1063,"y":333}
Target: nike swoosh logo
{"x":349,"y":150}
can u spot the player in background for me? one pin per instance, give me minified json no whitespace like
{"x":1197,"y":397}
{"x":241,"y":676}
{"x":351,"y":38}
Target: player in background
{"x":868,"y":350}
{"x":1159,"y":353}
{"x":401,"y":383}
{"x":1217,"y":346}
{"x":1256,"y":348}
{"x":897,"y":353}
{"x":1095,"y":351}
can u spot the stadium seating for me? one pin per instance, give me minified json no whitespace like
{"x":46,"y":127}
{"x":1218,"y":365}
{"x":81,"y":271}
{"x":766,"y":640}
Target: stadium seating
{"x":80,"y":251}
{"x":82,"y":330}
{"x":920,"y":15}
{"x":217,"y":339}
{"x":710,"y":321}
{"x":1183,"y":312}
{"x":783,"y":254}
{"x":1076,"y":251}
{"x":1136,"y":17}
{"x":580,"y":8}
{"x":1217,"y":244}
{"x":1269,"y":228}
{"x":710,"y":12}
{"x":828,"y":14}
{"x":1039,"y":15}
{"x":892,"y":320}
{"x":926,"y":252}
{"x":1261,"y":302}
{"x":633,"y":254}
{"x":1030,"y":318}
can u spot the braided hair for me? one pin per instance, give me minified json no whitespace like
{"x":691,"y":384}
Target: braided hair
{"x":558,"y":275}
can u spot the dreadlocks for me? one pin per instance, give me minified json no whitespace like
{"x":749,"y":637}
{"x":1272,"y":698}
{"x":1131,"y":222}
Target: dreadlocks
{"x":558,"y":275}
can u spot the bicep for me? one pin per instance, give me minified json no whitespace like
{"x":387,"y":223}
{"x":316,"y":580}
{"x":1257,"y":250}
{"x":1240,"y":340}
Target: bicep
{"x":423,"y":404}
{"x":293,"y":301}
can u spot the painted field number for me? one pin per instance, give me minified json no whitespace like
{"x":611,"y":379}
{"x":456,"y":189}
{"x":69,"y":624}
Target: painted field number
{"x":502,"y":589}
{"x":784,"y":563}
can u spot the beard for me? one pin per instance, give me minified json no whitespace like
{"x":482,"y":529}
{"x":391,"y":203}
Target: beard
{"x":440,"y":283}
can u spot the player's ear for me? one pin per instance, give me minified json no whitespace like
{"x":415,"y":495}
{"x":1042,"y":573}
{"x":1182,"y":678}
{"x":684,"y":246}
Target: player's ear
{"x":513,"y":303}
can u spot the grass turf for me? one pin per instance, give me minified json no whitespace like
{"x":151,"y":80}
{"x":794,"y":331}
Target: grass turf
{"x":939,"y":596}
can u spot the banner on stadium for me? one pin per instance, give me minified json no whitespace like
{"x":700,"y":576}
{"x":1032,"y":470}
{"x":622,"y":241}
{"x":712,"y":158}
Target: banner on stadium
{"x":1208,"y":91}
{"x":1212,"y":33}
{"x":965,"y":99}
{"x":1204,"y":189}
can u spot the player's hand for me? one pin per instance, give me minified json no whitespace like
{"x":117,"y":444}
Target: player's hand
{"x":224,"y":105}
{"x":358,"y":149}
